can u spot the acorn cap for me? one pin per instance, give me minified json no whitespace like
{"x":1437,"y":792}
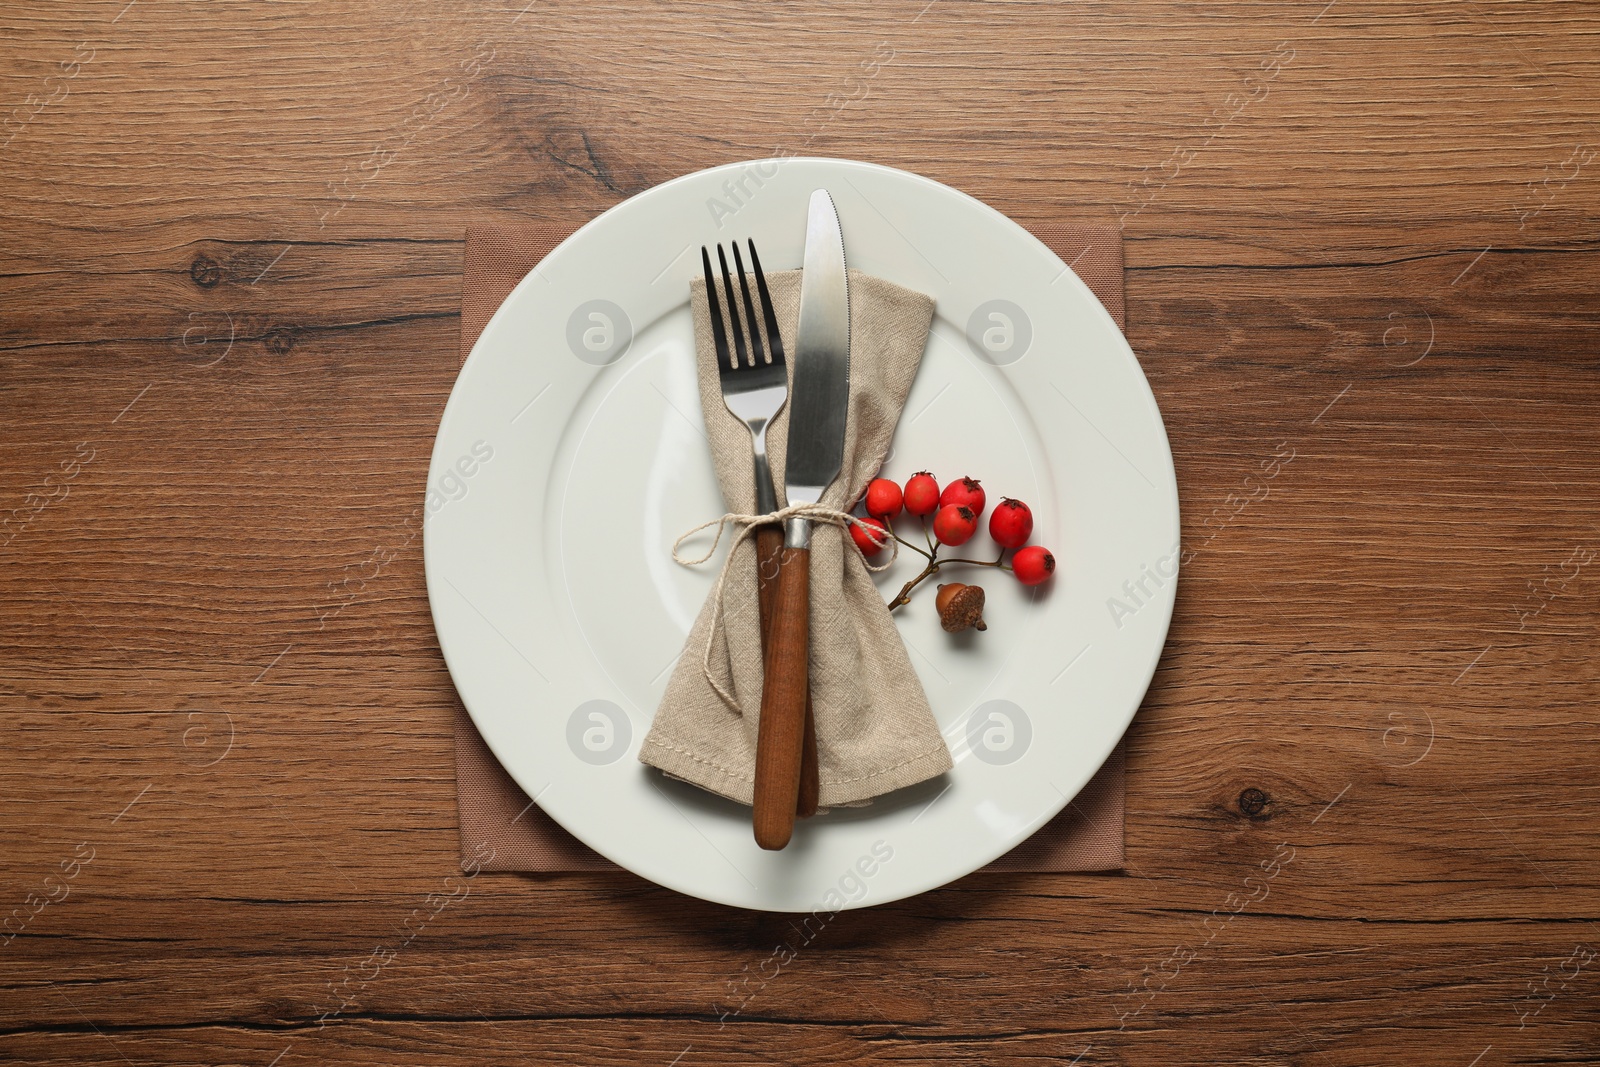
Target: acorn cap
{"x":960,"y":607}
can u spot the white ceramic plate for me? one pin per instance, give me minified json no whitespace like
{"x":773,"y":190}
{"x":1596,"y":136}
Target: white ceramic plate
{"x":571,"y":455}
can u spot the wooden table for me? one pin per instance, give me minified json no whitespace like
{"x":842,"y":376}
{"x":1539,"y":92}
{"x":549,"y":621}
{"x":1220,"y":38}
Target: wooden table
{"x":1362,"y":787}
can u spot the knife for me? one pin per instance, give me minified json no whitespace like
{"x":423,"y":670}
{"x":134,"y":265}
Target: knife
{"x":819,"y":400}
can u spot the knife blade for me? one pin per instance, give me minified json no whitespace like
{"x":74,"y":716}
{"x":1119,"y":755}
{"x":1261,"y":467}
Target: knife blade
{"x":819,"y":401}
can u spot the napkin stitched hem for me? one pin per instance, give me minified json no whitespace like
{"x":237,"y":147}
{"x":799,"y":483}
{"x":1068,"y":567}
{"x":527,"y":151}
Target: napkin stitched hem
{"x":657,"y":743}
{"x":686,"y":766}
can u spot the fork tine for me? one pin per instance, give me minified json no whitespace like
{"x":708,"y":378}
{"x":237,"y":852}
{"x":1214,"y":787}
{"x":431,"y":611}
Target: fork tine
{"x":774,"y":342}
{"x":756,"y":354}
{"x":719,"y":333}
{"x":733,"y":309}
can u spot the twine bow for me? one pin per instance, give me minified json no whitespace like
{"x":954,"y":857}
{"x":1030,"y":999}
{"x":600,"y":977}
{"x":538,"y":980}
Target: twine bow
{"x":746,"y":524}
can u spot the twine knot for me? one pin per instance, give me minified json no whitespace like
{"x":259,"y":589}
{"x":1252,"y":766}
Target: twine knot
{"x":746,"y":526}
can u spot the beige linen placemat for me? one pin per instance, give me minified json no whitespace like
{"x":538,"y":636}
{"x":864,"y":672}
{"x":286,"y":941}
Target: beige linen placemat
{"x":496,"y":814}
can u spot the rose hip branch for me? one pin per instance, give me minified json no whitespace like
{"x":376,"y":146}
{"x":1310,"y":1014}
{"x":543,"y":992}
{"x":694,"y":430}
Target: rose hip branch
{"x":955,"y":512}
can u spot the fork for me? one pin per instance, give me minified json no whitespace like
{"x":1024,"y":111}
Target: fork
{"x":754,"y":388}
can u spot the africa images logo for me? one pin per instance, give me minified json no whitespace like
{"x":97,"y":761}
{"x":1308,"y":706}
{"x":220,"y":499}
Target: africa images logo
{"x":1142,"y":589}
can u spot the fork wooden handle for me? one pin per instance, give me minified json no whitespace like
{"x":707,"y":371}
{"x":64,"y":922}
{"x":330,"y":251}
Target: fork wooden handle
{"x":780,"y":735}
{"x":769,"y":542}
{"x":810,"y":778}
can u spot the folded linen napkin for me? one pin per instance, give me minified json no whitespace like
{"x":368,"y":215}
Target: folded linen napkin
{"x":875,"y":730}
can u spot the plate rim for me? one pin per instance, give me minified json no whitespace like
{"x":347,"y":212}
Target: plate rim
{"x":1165,"y":605}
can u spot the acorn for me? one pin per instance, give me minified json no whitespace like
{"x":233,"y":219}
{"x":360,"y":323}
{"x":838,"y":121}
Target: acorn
{"x":960,"y":607}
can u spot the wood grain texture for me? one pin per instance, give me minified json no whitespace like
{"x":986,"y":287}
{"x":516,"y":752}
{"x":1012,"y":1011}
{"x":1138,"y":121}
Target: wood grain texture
{"x":1362,"y":790}
{"x":785,"y":700}
{"x":769,"y":545}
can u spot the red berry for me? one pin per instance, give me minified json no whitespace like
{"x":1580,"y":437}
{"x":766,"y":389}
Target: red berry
{"x":955,"y":524}
{"x":883,"y":498}
{"x":1033,"y":565}
{"x":964,"y":492}
{"x":864,"y":540}
{"x":922,"y":494}
{"x":1011,"y":524}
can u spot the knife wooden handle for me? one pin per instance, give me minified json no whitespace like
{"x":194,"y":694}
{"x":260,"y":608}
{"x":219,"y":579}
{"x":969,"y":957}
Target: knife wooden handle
{"x":769,"y":542}
{"x":779,"y":736}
